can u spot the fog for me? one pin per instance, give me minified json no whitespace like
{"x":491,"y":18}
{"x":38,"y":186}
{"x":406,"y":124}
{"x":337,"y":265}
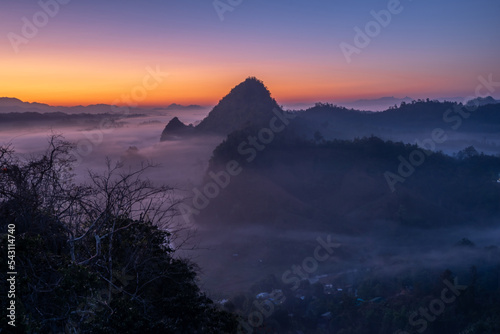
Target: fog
{"x":232,"y":258}
{"x":179,"y":163}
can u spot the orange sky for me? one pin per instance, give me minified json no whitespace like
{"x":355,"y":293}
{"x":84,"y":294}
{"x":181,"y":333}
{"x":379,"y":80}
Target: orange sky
{"x":73,"y":79}
{"x":97,"y":52}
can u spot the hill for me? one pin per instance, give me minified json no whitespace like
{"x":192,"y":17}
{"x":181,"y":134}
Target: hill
{"x":248,"y":104}
{"x":482,"y":101}
{"x":347,"y":185}
{"x":176,"y":129}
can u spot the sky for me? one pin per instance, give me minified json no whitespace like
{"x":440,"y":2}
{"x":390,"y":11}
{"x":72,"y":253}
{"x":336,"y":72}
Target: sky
{"x":84,"y":52}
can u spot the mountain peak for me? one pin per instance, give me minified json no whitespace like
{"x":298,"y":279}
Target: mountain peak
{"x":253,"y":81}
{"x":251,"y":85}
{"x":10,"y":101}
{"x":175,"y":129}
{"x":248,"y":103}
{"x":175,"y":123}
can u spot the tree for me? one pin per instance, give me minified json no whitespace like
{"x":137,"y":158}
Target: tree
{"x":467,"y":153}
{"x":318,"y":137}
{"x":98,"y":257}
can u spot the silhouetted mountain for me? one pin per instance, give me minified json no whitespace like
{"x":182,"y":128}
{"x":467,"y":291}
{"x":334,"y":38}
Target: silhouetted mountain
{"x":385,"y":99}
{"x":249,"y":103}
{"x":346,"y":185}
{"x":353,"y":173}
{"x":408,"y":122}
{"x":457,"y":99}
{"x":93,"y":108}
{"x":9,"y":104}
{"x":482,"y":101}
{"x":176,"y":129}
{"x":379,"y":104}
{"x":14,"y":105}
{"x":175,"y":106}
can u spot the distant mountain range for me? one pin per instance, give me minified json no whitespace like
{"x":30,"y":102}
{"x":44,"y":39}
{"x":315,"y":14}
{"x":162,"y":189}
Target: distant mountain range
{"x":14,"y":105}
{"x":175,"y":106}
{"x":482,"y":101}
{"x":258,"y":92}
{"x":250,"y":104}
{"x":384,"y":103}
{"x":379,"y":104}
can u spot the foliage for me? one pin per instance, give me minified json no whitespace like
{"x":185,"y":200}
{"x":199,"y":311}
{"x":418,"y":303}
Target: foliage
{"x":337,"y":178}
{"x":97,"y":257}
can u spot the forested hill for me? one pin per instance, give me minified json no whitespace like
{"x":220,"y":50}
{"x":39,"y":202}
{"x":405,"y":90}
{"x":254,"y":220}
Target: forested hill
{"x":352,"y":183}
{"x":417,"y":117}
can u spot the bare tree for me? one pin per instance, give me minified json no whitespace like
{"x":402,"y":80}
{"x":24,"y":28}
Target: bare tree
{"x":113,"y":234}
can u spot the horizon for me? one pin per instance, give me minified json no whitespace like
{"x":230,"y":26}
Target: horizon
{"x":69,"y":53}
{"x":340,"y":103}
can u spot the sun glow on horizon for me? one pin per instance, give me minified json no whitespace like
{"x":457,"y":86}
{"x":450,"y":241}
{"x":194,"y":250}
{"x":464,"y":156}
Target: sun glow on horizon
{"x":76,"y":61}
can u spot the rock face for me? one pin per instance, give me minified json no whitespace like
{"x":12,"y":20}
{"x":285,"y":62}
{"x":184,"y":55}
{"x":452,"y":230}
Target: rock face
{"x":175,"y":129}
{"x":248,"y":104}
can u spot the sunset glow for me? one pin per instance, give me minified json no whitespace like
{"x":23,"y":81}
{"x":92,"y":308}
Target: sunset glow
{"x":90,"y":52}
